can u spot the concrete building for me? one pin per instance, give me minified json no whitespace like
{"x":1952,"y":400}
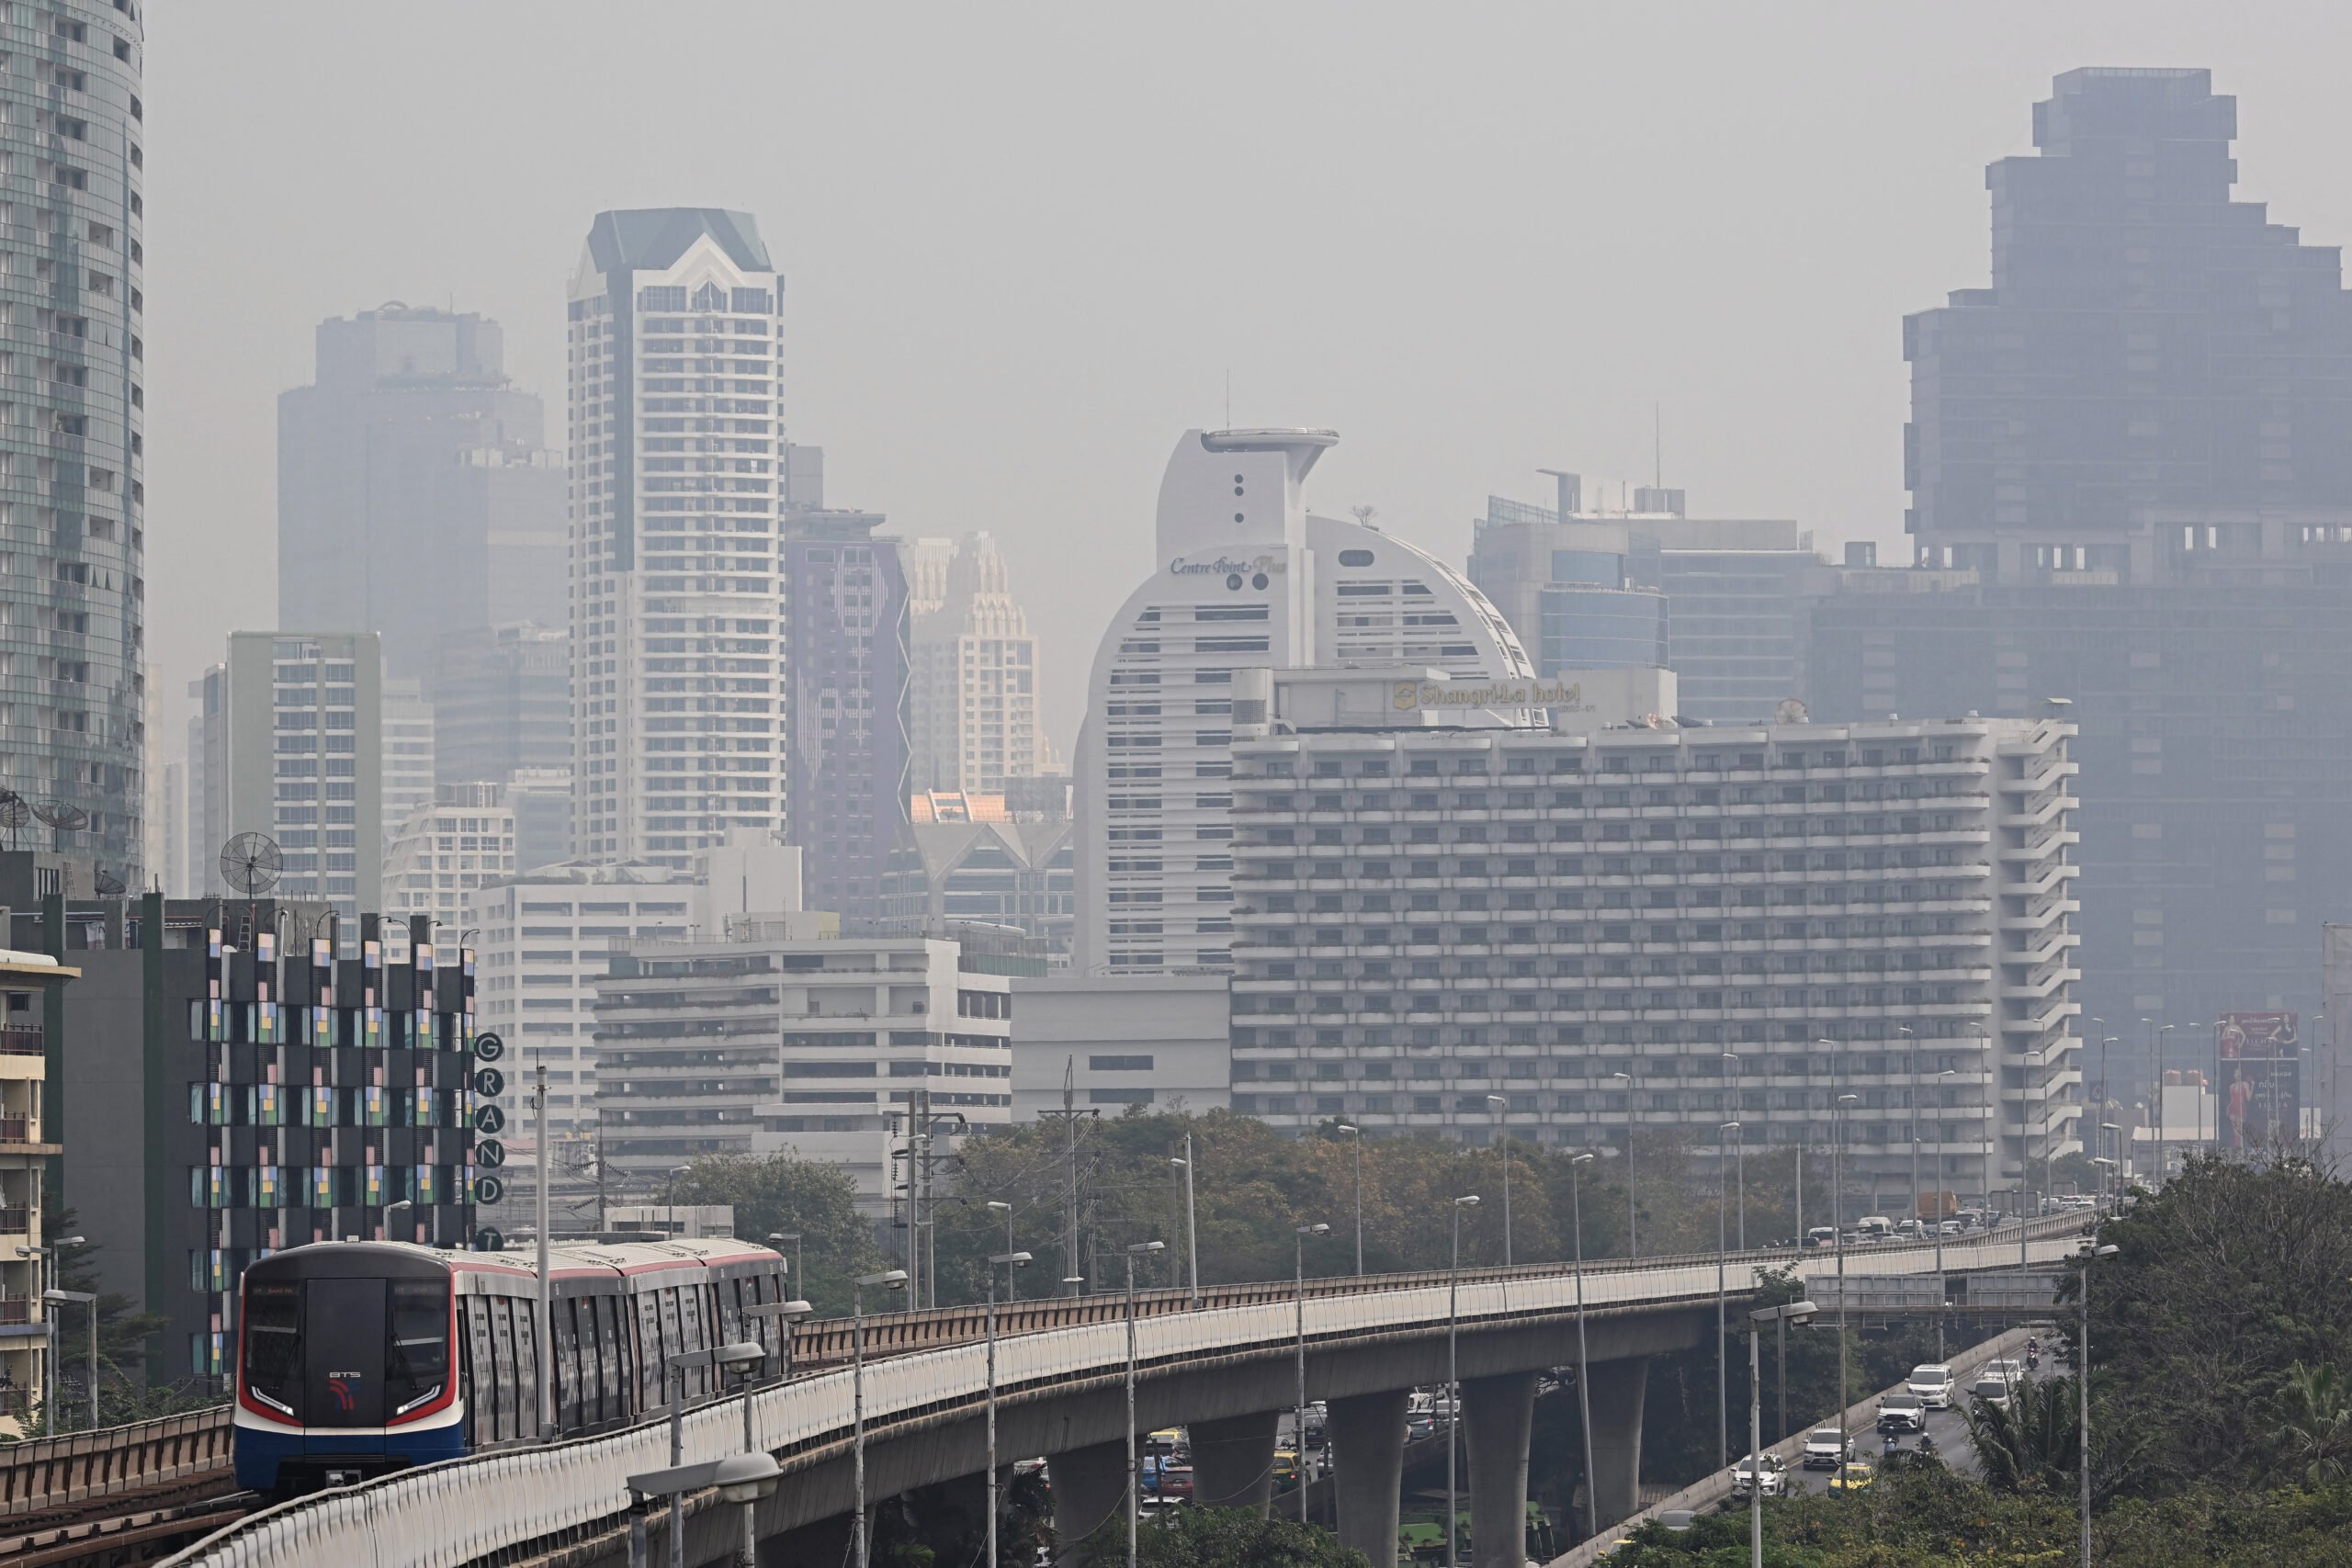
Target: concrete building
{"x":30,"y":1141}
{"x":1161,"y":1041}
{"x":1429,"y":916}
{"x":220,"y":1103}
{"x":688,"y":1062}
{"x":678,"y":479}
{"x":502,"y":704}
{"x":1249,"y":580}
{"x":844,"y":645}
{"x":541,"y":801}
{"x":408,"y":751}
{"x":288,"y":741}
{"x":973,"y":695}
{"x":72,"y":441}
{"x":415,"y":499}
{"x":989,"y":873}
{"x":463,"y":841}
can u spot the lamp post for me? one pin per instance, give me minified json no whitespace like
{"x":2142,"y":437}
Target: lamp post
{"x":2162,"y":1170}
{"x":1192,"y":1226}
{"x":1135,"y":1502}
{"x":389,"y":1209}
{"x":87,"y":1299}
{"x":892,"y":1280}
{"x":1632,"y":1210}
{"x":994,"y":1207}
{"x":1917,"y":1217}
{"x":1452,"y":1375}
{"x":1739,"y":1158}
{"x":1723,"y":1364}
{"x":1008,"y":1261}
{"x":676,"y":1171}
{"x":1298,"y":1335}
{"x":1948,"y":1072}
{"x":1781,"y":1317}
{"x":1584,"y":1377}
{"x":48,"y":1270}
{"x":2083,"y":1384}
{"x":745,"y":1360}
{"x":777,"y":1239}
{"x":2105,"y":1165}
{"x":1357,"y":1133}
{"x":1836,"y":1223}
{"x":1499,"y":1105}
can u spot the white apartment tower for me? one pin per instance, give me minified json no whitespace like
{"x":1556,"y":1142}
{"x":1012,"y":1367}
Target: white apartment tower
{"x":676,"y":492}
{"x":1245,"y":578}
{"x":973,"y":691}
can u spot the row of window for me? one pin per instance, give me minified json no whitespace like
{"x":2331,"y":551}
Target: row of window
{"x":284,"y":1023}
{"x":327,"y":1186}
{"x":324,"y":1105}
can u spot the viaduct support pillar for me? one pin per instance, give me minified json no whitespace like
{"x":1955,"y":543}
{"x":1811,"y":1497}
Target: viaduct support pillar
{"x":1368,"y":1447}
{"x":1496,"y":1413}
{"x":1619,"y":1389}
{"x":1090,"y":1491}
{"x":1233,"y":1461}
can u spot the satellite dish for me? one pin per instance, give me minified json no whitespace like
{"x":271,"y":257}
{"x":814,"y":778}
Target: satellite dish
{"x":250,"y":863}
{"x":63,"y":818}
{"x":109,"y":886}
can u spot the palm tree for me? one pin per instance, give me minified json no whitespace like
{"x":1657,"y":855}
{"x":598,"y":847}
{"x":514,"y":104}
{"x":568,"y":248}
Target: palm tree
{"x":2033,"y":1444}
{"x":2317,"y":1432}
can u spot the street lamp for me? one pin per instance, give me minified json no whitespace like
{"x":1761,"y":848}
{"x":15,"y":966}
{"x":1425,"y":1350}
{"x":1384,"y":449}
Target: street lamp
{"x":676,"y":1171}
{"x":1584,"y":1378}
{"x":2163,"y":1170}
{"x":389,"y":1209}
{"x":681,"y":1478}
{"x":1008,"y":1261}
{"x":1452,"y":1371}
{"x":89,"y":1300}
{"x":777,"y":1239}
{"x":1948,"y":1072}
{"x":745,"y":1360}
{"x":2083,"y":1383}
{"x":2105,"y":1165}
{"x":1723,"y":1369}
{"x":1135,"y":1503}
{"x":1298,"y":1332}
{"x":1498,"y":1104}
{"x":1192,"y":1226}
{"x":995,"y":1207}
{"x":892,"y":1280}
{"x":1632,"y":1235}
{"x":1357,"y":1133}
{"x":1836,"y":1223}
{"x":1915,"y":1215}
{"x":1740,"y":1159}
{"x":48,"y":1330}
{"x":1782,"y":1315}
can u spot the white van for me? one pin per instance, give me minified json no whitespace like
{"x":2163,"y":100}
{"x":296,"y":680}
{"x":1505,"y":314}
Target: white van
{"x":1878,"y":1227}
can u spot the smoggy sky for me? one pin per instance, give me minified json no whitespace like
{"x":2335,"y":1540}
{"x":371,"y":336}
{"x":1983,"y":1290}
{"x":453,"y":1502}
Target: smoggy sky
{"x":1026,"y":245}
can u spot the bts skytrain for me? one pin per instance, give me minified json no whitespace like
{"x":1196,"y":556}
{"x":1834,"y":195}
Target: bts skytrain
{"x":358,"y":1358}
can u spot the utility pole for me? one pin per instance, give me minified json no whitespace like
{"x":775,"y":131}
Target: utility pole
{"x":1069,"y":1114}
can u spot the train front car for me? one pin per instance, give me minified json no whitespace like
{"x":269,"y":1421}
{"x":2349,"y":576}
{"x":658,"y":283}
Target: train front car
{"x":345,"y":1366}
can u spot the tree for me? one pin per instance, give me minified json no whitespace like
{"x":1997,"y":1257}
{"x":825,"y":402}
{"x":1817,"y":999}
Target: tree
{"x":774,"y":1193}
{"x":1224,"y":1538}
{"x":2034,"y":1443}
{"x":2317,"y":1430}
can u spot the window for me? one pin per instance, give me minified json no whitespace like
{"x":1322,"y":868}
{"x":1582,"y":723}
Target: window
{"x":1118,"y":1063}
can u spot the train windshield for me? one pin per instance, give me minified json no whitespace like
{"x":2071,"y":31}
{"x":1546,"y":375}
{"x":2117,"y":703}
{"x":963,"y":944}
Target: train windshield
{"x":274,"y":1344}
{"x":417,"y":1369}
{"x":346,"y":1352}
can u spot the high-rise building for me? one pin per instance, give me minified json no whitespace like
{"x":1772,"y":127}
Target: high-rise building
{"x":998,"y":873}
{"x":1249,"y":580}
{"x":677,"y":476}
{"x":408,"y":753}
{"x":502,"y":704}
{"x":843,"y":646}
{"x":1746,"y":922}
{"x":287,"y":741}
{"x":973,"y":697}
{"x":441,"y":852}
{"x":72,"y":441}
{"x":414,"y":497}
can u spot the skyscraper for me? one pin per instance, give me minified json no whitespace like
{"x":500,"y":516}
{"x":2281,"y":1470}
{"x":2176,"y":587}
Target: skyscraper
{"x":677,"y":470}
{"x":411,"y":447}
{"x":72,"y":486}
{"x":974,"y":692}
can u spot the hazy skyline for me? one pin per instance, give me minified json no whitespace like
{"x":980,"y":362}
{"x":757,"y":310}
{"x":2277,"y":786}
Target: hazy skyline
{"x":1024,"y":249}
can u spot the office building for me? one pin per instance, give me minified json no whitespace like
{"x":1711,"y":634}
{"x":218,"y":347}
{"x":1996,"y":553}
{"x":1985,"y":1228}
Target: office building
{"x":1111,"y":1041}
{"x":1745,"y":923}
{"x":541,"y":801}
{"x":28,"y":1141}
{"x":415,"y":499}
{"x":677,"y":476}
{"x":167,"y":822}
{"x":2130,"y":488}
{"x":982,"y":871}
{"x":973,"y":694}
{"x":844,"y":645}
{"x":444,"y":851}
{"x":73,"y":434}
{"x":687,"y":1063}
{"x":287,"y":741}
{"x":224,"y":1102}
{"x":502,"y":704}
{"x":409,"y":748}
{"x":1248,"y":578}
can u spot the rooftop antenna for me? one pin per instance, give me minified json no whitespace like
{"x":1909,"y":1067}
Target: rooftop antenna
{"x":1658,"y":450}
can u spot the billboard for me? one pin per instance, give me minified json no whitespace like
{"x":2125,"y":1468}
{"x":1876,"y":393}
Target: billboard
{"x":2257,"y":1078}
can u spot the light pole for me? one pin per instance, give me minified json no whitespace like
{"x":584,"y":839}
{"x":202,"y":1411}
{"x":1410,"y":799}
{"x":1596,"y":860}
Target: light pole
{"x":389,"y":1209}
{"x":2163,"y":1170}
{"x":1632,"y":1210}
{"x":2083,"y":1384}
{"x":89,"y":1300}
{"x":1192,"y":1226}
{"x":1723,"y":1364}
{"x":1917,"y":1217}
{"x":1011,"y":1290}
{"x":1298,"y":1333}
{"x":1739,"y":1160}
{"x":1499,"y":1105}
{"x":676,"y":1171}
{"x":47,"y":1272}
{"x":1584,"y":1373}
{"x":1357,"y":1133}
{"x":2105,"y":1165}
{"x":1452,"y":1371}
{"x":1135,"y":1502}
{"x":1008,"y":1261}
{"x":1781,"y":1317}
{"x":1836,"y":1223}
{"x":745,"y":1360}
{"x":1948,"y":1072}
{"x":777,"y":1239}
{"x":889,"y":1278}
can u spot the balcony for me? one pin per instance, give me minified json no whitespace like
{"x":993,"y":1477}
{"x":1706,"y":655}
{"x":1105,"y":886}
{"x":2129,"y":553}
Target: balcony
{"x":16,"y":1220}
{"x":16,"y":1310}
{"x":16,"y":1042}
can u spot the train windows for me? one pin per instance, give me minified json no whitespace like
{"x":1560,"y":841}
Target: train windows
{"x":673,"y":1339}
{"x":502,"y":1336}
{"x":651,"y":1390}
{"x":528,"y":1400}
{"x":616,"y":1364}
{"x":481,"y":1384}
{"x":274,"y":1345}
{"x":417,"y":1369}
{"x":566,"y":1362}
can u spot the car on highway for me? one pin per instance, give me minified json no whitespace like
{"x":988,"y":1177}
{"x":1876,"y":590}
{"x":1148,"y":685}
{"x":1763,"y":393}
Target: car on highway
{"x":1992,"y":1391}
{"x":1826,"y":1448}
{"x":1902,"y":1413}
{"x":2009,"y":1372}
{"x":1934,"y":1385}
{"x":1821,"y":1236}
{"x":1775,"y":1470}
{"x":1850,"y":1478}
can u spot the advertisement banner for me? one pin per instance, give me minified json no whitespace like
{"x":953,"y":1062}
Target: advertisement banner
{"x":2257,"y":1076}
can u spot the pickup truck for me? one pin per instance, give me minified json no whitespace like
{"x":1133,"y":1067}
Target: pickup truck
{"x":1825,"y":1448}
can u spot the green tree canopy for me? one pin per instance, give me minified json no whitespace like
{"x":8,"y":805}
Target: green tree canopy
{"x":776,"y":1193}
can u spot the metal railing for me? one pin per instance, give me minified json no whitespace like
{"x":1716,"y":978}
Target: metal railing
{"x":20,"y":1042}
